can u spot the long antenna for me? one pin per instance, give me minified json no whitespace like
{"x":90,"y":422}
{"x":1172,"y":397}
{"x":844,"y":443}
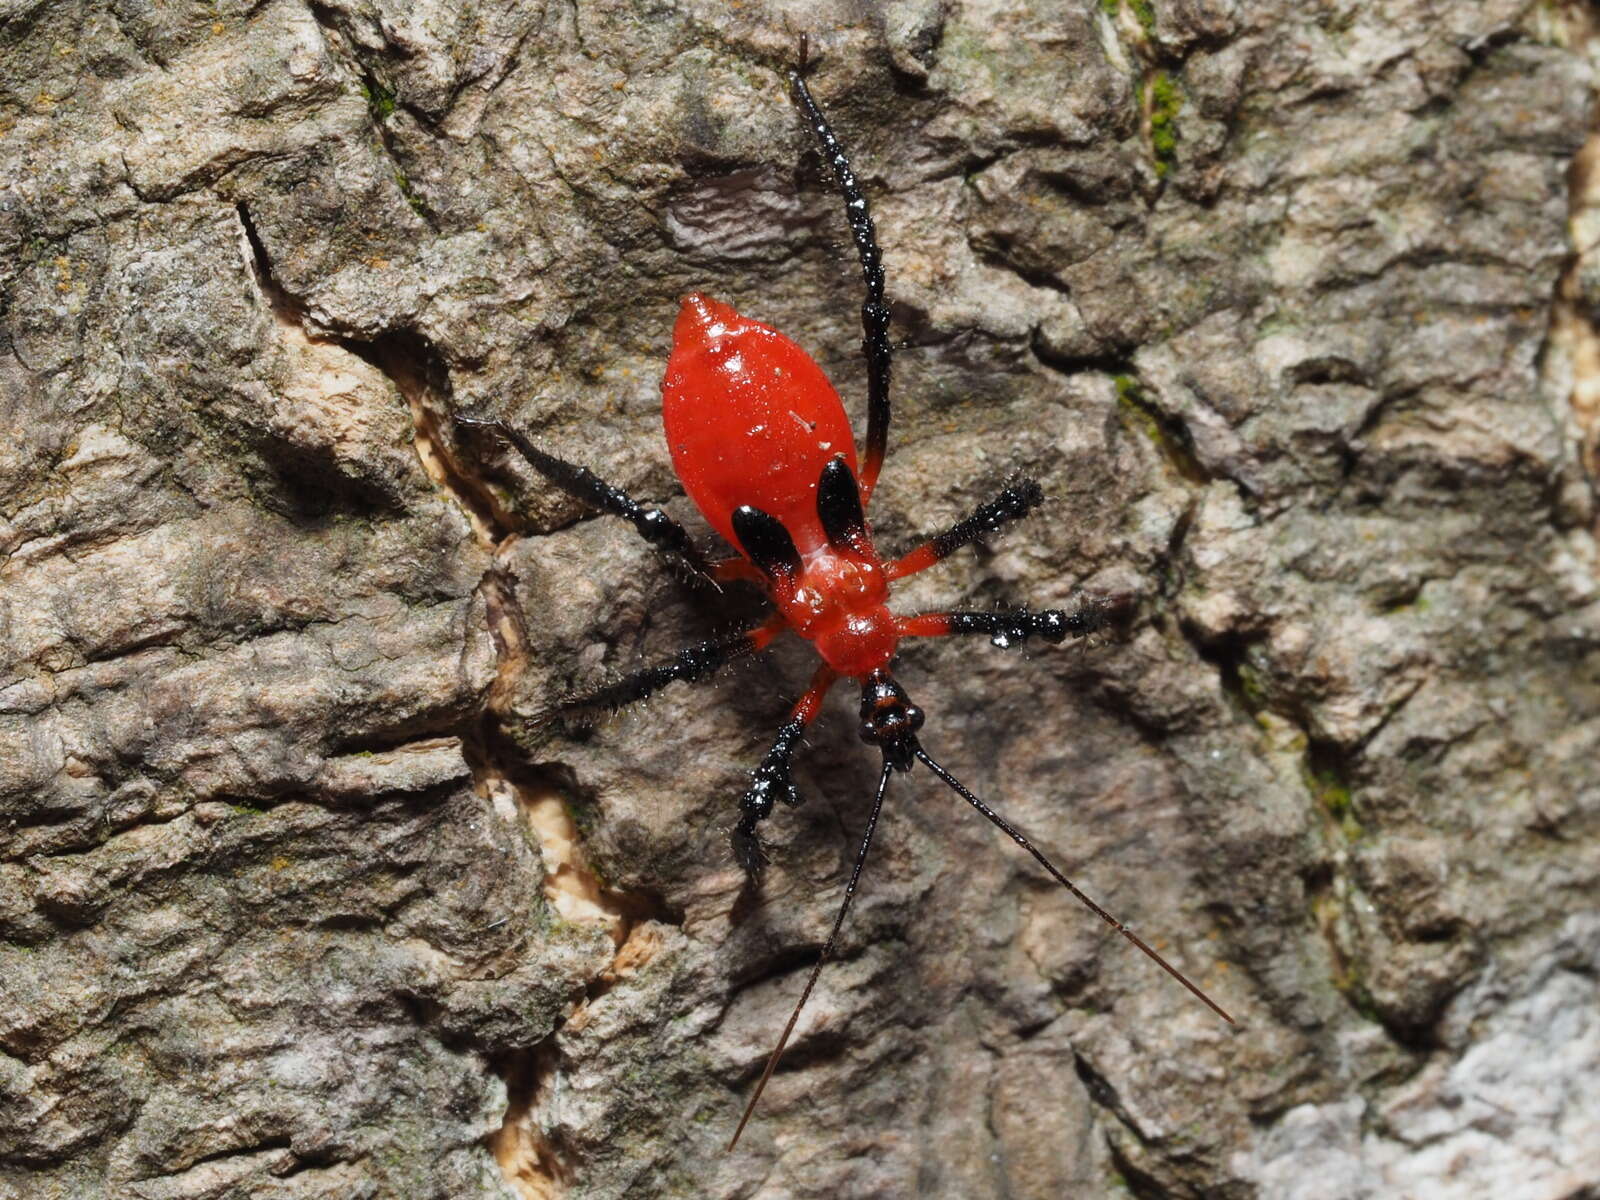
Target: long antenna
{"x":1044,"y":862}
{"x":827,"y":949}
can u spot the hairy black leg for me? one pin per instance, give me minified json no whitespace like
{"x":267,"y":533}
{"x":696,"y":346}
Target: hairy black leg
{"x":1010,"y":626}
{"x":874,"y":309}
{"x":772,"y":781}
{"x":660,"y":530}
{"x":1015,"y":501}
{"x":689,"y":664}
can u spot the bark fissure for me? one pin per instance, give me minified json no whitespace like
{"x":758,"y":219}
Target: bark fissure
{"x":531,"y":1159}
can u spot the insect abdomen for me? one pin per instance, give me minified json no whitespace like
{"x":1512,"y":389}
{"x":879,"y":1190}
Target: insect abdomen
{"x":750,"y":420}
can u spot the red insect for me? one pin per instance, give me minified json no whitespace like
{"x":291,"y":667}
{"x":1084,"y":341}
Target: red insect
{"x":762,"y":445}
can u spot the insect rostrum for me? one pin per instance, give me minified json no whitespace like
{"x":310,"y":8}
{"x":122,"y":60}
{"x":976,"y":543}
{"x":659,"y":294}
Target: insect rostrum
{"x":762,"y":445}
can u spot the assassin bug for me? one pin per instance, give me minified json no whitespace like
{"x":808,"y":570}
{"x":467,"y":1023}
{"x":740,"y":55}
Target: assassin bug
{"x":761,"y":443}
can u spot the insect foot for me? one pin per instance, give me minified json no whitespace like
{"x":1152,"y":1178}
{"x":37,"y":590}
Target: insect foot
{"x":770,"y":782}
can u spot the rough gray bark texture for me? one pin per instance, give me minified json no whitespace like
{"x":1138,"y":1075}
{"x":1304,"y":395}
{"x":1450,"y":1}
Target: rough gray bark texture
{"x":303,"y":895}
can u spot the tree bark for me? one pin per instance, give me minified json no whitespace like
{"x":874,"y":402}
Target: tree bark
{"x":306,"y":889}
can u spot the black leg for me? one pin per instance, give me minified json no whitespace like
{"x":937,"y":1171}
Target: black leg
{"x":660,"y":530}
{"x":690,"y":664}
{"x":874,"y":309}
{"x":1016,"y":501}
{"x":1010,"y":626}
{"x":772,"y":781}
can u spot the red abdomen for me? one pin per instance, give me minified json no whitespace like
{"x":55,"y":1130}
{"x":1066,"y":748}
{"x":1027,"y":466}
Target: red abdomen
{"x":750,"y":419}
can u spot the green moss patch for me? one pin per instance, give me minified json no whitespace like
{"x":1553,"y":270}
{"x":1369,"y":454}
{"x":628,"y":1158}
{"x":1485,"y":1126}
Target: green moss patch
{"x":1168,"y":436}
{"x":1163,"y":101}
{"x":380,"y":100}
